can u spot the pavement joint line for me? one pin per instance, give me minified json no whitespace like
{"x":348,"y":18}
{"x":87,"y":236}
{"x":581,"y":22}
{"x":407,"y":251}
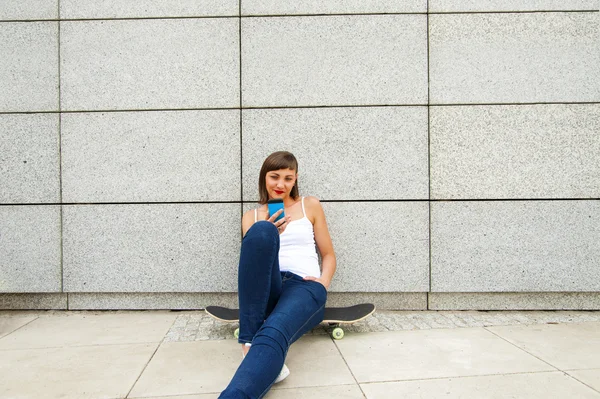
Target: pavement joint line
{"x":277,"y":388}
{"x":20,"y":327}
{"x":522,"y":349}
{"x":463,"y":376}
{"x":77,"y":346}
{"x":578,"y":380}
{"x":143,"y":369}
{"x":348,"y":366}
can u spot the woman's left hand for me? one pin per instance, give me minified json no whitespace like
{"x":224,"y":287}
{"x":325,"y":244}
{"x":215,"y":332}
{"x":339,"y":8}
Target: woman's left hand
{"x":319,"y":280}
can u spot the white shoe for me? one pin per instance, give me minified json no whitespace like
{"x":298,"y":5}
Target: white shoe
{"x":283,"y":374}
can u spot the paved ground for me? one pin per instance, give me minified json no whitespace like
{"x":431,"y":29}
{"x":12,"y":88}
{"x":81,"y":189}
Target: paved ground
{"x":198,"y":326}
{"x":187,"y":355}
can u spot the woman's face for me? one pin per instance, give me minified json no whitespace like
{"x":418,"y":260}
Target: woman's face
{"x":280,"y":182}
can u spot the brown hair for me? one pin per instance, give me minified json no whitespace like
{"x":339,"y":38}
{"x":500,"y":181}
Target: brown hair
{"x":275,"y":161}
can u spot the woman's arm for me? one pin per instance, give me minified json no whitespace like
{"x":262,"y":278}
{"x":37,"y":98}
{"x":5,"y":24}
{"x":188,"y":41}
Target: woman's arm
{"x":247,"y":221}
{"x":322,"y":239}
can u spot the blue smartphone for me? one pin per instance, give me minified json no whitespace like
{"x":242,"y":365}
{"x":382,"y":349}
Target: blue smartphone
{"x":275,"y":205}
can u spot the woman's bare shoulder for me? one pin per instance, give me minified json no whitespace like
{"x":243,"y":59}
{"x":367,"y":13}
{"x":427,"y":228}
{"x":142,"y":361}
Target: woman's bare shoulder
{"x":313,"y":208}
{"x":248,"y":214}
{"x":312,"y":201}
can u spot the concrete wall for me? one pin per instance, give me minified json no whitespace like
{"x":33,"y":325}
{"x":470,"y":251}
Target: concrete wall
{"x":455,"y":146}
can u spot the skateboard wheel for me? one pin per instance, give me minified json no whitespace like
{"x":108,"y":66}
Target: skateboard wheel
{"x":337,"y":333}
{"x":236,"y":333}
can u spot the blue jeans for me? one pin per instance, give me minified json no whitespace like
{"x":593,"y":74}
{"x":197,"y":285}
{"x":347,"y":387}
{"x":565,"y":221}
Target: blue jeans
{"x":276,"y":308}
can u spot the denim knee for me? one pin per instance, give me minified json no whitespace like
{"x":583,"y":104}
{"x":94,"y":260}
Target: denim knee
{"x":272,"y":337}
{"x":262,"y":229}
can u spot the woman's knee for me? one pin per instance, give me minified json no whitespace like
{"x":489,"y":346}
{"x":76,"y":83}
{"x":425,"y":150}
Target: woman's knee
{"x":272,"y":337}
{"x":262,"y":229}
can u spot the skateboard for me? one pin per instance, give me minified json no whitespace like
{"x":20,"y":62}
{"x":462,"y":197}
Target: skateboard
{"x":334,"y":317}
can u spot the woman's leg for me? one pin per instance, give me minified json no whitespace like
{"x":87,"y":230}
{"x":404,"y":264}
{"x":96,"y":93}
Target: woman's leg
{"x":300,"y":307}
{"x":259,"y":279}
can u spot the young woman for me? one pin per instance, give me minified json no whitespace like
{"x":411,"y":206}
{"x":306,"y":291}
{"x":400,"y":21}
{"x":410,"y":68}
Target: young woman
{"x":282,"y":290}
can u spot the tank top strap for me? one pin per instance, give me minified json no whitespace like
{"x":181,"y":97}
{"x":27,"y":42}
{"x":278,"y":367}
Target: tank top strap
{"x":303,"y":210}
{"x":255,"y":215}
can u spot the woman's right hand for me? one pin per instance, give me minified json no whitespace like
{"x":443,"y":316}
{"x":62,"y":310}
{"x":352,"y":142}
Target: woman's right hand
{"x":282,"y":223}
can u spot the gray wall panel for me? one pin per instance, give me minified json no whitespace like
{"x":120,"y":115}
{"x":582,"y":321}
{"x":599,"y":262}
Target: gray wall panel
{"x":514,"y":300}
{"x":515,"y":246}
{"x":29,"y":160}
{"x":78,"y":9}
{"x":511,"y":5}
{"x":28,"y":10}
{"x":335,"y":60}
{"x":278,"y":7}
{"x":380,"y":246}
{"x":151,"y":156}
{"x":150,"y":64}
{"x":343,"y":153}
{"x":513,"y":58}
{"x":529,"y":151}
{"x":28,"y":66}
{"x":30,"y":258}
{"x":151,"y":248}
{"x":56,"y":301}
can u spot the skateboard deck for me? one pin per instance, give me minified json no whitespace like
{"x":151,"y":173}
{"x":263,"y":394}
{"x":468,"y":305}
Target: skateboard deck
{"x":333,"y":316}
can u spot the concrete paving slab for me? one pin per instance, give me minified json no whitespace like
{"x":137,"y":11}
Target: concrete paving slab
{"x":182,"y":368}
{"x":565,"y":346}
{"x":315,"y":361}
{"x":554,"y":385}
{"x":207,"y":367}
{"x":405,"y":355}
{"x":61,"y":329}
{"x":92,"y":372}
{"x":199,"y":396}
{"x":338,"y":391}
{"x":10,"y":324}
{"x":441,"y":361}
{"x":589,"y":377}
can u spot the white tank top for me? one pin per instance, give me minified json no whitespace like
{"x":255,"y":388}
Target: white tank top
{"x":297,"y":249}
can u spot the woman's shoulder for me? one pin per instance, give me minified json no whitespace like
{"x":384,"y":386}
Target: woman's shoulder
{"x":312,"y":206}
{"x":311,"y":201}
